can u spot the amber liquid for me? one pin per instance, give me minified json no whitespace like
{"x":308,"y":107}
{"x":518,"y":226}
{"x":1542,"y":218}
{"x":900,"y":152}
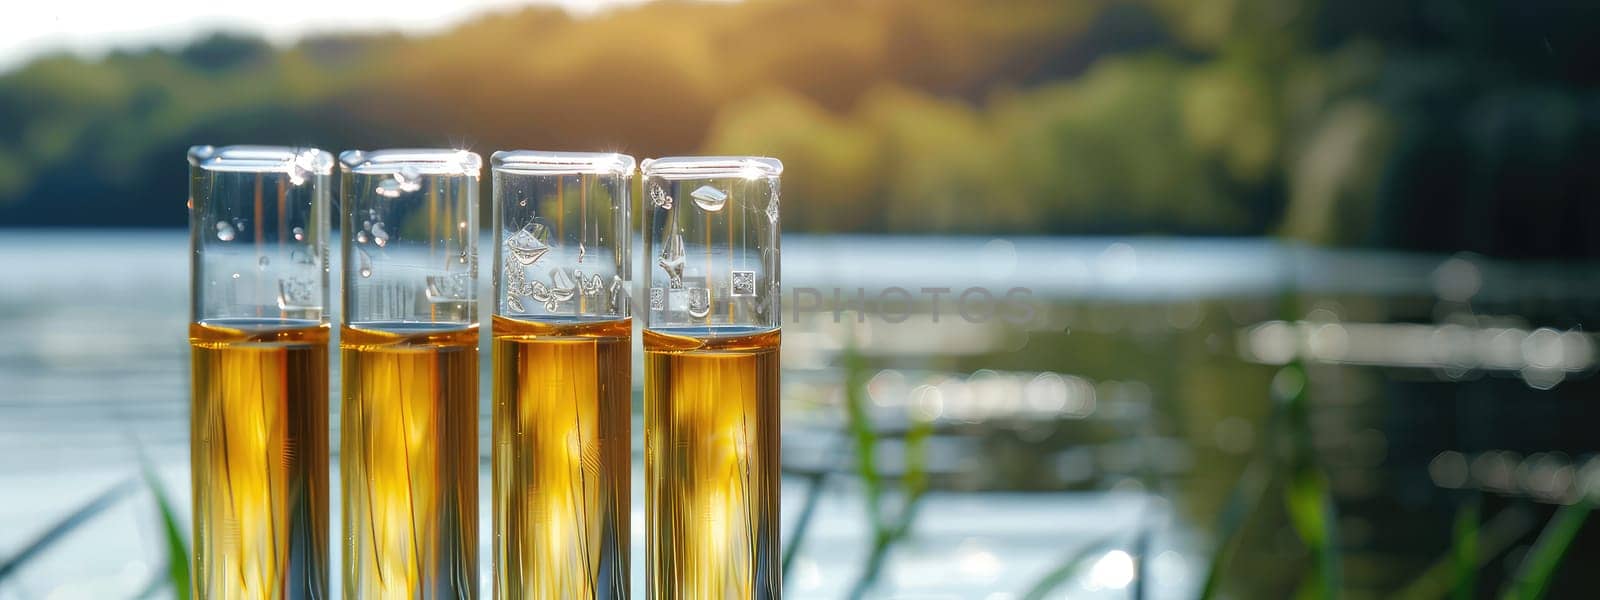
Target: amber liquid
{"x":259,"y":459}
{"x":409,"y":462}
{"x":561,"y":458}
{"x":711,"y":464}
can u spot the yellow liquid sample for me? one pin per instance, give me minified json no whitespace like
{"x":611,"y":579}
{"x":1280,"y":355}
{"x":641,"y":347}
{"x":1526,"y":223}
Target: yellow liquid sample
{"x":711,"y":466}
{"x":561,"y":458}
{"x":259,"y":459}
{"x":409,"y":462}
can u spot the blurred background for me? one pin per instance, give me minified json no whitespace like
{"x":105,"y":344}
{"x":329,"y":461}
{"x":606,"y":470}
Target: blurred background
{"x":1306,"y":284}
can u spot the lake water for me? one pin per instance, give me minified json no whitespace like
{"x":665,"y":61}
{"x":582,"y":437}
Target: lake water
{"x":94,"y":359}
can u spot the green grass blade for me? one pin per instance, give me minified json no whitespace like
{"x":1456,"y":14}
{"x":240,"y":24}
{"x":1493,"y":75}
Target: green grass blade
{"x":1242,"y":502}
{"x":915,"y":482}
{"x":75,"y":519}
{"x":1311,"y":510}
{"x":815,"y":481}
{"x":1064,"y":570}
{"x":866,"y":450}
{"x":866,"y":439}
{"x":1533,"y":575}
{"x":1490,"y":539}
{"x":1307,"y":496}
{"x":177,"y":543}
{"x":1465,"y":550}
{"x":1304,"y":497}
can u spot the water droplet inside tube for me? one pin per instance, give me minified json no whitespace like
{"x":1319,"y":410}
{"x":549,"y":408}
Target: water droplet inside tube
{"x":709,"y":199}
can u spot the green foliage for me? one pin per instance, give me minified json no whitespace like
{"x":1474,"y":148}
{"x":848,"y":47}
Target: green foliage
{"x":1063,"y":571}
{"x":900,"y":115}
{"x":888,"y":527}
{"x":1307,"y":496}
{"x":1464,"y":548}
{"x":1473,"y":546}
{"x":1340,"y":123}
{"x":1242,"y":502}
{"x":1533,"y":576}
{"x":58,"y":530}
{"x":176,"y":542}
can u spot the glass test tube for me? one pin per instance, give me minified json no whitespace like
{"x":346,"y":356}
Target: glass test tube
{"x":562,"y":374}
{"x":409,"y":422}
{"x":711,"y":377}
{"x":258,"y":231}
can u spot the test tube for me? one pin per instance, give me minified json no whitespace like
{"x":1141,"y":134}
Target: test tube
{"x":409,"y":422}
{"x":562,"y":374}
{"x":258,"y":232}
{"x":711,"y":377}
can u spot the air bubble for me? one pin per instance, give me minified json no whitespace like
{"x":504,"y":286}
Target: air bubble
{"x":299,"y":234}
{"x":225,"y":232}
{"x":671,"y":260}
{"x":365,"y":262}
{"x":408,"y":178}
{"x":203,"y":153}
{"x":361,"y":237}
{"x":388,"y":188}
{"x":235,"y":275}
{"x":263,"y":262}
{"x":709,"y":199}
{"x":379,"y":236}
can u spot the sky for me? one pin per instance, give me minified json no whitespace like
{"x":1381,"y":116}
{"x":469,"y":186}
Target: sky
{"x":91,"y":28}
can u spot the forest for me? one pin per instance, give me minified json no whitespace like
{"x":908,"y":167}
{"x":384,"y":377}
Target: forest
{"x":1433,"y":126}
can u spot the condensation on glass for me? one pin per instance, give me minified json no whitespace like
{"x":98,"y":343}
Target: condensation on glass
{"x":711,"y":229}
{"x":258,"y":229}
{"x":562,"y":374}
{"x":259,"y":226}
{"x":410,"y":238}
{"x":409,"y":349}
{"x":711,"y":343}
{"x":564,"y":246}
